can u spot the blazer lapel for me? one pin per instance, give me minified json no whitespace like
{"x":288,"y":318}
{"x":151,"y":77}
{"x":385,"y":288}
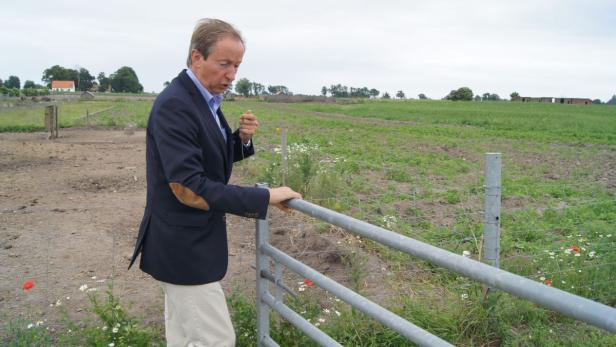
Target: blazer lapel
{"x":229,"y":144}
{"x":213,"y":126}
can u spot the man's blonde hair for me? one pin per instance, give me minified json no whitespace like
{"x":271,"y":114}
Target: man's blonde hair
{"x":207,"y":33}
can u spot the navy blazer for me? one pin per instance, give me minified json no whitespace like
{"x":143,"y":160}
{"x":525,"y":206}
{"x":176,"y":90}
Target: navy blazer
{"x":182,"y":237}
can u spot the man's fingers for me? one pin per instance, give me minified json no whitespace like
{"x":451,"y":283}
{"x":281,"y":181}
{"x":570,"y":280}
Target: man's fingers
{"x":248,"y":125}
{"x":249,"y":122}
{"x":248,"y":117}
{"x":281,"y":194}
{"x":283,"y":207}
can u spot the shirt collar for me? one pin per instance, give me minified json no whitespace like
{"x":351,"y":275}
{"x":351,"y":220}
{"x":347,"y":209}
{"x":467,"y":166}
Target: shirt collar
{"x":213,"y":101}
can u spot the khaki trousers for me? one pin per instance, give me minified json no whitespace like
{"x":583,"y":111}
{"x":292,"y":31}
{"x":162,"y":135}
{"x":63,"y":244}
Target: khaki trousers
{"x":197,"y":316}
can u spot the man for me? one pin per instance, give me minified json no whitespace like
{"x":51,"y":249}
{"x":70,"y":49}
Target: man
{"x":190,"y":151}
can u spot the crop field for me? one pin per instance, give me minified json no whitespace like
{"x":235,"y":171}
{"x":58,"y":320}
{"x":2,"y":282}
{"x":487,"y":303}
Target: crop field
{"x":417,"y":168}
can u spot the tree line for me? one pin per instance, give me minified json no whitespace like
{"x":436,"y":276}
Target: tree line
{"x":247,"y":88}
{"x":124,"y":80}
{"x":12,"y":87}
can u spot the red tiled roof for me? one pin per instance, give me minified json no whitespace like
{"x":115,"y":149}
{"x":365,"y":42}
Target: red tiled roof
{"x":62,"y":84}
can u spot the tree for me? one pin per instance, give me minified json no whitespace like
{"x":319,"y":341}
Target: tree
{"x":166,"y":84}
{"x":103,"y":82}
{"x":1,"y":83}
{"x":324,"y":91}
{"x":29,"y":85}
{"x":514,"y":96}
{"x":611,"y":101}
{"x":596,"y":102}
{"x":386,"y":95}
{"x":374,"y":92}
{"x":359,"y":92}
{"x":278,"y":90}
{"x":12,"y":91}
{"x":243,"y":87}
{"x":59,"y":73}
{"x":422,"y":96}
{"x":477,"y":97}
{"x":125,"y":80}
{"x":257,"y":88}
{"x":13,"y":82}
{"x":400,"y":95}
{"x":86,"y":81}
{"x":461,"y":94}
{"x":339,"y":91}
{"x":490,"y":97}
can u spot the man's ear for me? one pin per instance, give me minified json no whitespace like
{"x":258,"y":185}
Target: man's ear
{"x":195,"y":55}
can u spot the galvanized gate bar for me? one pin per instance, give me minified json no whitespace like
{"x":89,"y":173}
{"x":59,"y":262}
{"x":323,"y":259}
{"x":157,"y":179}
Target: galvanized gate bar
{"x":388,"y":318}
{"x":268,"y":342}
{"x":298,"y":321}
{"x":279,"y":284}
{"x":586,"y":310}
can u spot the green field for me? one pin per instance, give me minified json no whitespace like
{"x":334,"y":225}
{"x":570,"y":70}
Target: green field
{"x":416,"y":167}
{"x":122,"y":112}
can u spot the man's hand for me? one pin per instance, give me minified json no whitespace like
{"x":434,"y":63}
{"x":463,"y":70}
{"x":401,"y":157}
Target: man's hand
{"x":281,"y":194}
{"x":248,"y":126}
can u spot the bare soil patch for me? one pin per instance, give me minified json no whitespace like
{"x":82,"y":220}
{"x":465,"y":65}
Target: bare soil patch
{"x":69,"y":213}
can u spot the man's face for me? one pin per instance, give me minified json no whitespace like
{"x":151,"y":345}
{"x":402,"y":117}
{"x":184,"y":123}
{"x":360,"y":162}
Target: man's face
{"x":217,"y":72}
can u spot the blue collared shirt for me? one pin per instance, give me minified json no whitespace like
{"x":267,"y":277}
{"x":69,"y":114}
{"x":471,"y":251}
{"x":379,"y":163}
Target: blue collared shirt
{"x":213,"y":101}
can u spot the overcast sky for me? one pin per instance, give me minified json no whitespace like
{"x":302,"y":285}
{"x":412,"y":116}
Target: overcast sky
{"x":538,"y":48}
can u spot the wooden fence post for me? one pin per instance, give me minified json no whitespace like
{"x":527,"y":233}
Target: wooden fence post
{"x":51,"y":121}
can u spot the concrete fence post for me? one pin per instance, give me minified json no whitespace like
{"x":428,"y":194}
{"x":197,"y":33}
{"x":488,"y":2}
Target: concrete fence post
{"x":262,"y":265}
{"x":491,"y":234}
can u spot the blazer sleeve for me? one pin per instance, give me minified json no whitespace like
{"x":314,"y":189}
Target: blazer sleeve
{"x":175,"y":130}
{"x":240,"y":151}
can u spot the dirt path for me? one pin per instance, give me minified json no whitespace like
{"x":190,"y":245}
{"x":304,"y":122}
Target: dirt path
{"x":69,"y":213}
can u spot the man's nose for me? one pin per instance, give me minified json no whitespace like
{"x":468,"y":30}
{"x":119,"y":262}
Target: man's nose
{"x":231,"y":74}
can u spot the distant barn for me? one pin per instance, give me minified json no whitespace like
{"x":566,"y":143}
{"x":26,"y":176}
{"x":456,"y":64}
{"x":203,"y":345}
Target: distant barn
{"x":550,"y":100}
{"x":574,"y":101}
{"x":63,"y":86}
{"x":540,"y":99}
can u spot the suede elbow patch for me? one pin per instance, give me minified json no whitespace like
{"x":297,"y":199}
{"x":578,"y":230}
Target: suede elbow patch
{"x":188,"y":197}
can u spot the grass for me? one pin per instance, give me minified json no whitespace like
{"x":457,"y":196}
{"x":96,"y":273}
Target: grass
{"x":416,"y":167}
{"x":109,"y":325}
{"x":536,"y":121}
{"x":72,"y":114}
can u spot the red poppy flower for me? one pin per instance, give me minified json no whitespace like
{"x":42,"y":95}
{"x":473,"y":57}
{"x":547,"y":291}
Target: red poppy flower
{"x":28,"y":285}
{"x":308,"y":282}
{"x":547,"y":282}
{"x":575,"y":249}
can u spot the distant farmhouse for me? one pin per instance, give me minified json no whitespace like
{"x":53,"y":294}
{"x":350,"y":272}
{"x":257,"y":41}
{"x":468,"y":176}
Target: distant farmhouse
{"x":63,"y":86}
{"x":573,"y":101}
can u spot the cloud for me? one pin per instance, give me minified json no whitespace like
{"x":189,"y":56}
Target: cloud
{"x":549,"y":48}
